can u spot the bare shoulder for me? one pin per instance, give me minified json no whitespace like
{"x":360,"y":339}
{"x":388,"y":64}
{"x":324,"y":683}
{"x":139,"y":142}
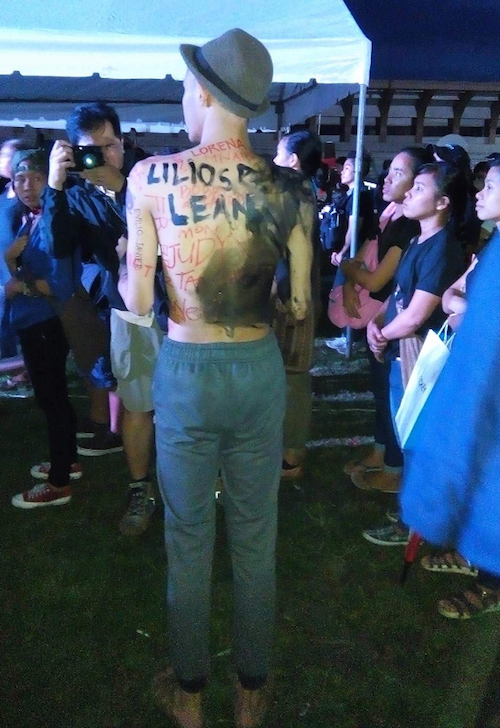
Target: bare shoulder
{"x":135,"y":180}
{"x":145,"y":168}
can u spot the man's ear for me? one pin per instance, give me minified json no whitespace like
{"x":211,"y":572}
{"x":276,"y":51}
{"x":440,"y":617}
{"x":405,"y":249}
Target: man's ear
{"x":294,"y":161}
{"x":204,"y":96}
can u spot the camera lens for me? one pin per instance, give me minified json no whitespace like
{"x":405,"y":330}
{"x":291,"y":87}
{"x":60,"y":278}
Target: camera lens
{"x":89,"y":161}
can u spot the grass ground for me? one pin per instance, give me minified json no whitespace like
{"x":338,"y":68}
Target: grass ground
{"x":83,"y":617}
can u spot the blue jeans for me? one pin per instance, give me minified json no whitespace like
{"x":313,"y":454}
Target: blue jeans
{"x":384,"y":427}
{"x":219,"y":406}
{"x":396,"y":391}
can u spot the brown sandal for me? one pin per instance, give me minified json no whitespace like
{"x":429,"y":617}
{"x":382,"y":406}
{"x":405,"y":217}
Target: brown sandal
{"x":470,"y":603}
{"x":170,"y":699}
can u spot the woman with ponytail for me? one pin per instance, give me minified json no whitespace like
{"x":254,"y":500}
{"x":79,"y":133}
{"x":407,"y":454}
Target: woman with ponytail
{"x":300,"y":151}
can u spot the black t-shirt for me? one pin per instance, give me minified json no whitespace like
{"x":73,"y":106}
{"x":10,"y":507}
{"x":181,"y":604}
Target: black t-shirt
{"x":397,"y":233}
{"x":431,"y":266}
{"x":282,"y":273}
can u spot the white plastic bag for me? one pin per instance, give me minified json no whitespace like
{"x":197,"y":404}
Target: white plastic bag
{"x":431,"y":360}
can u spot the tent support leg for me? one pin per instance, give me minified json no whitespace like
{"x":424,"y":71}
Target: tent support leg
{"x":357,"y":186}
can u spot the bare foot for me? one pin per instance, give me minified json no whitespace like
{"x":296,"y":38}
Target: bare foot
{"x":251,"y":707}
{"x":183,"y":708}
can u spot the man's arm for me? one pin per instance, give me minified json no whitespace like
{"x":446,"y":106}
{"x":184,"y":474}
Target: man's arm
{"x":137,"y":275}
{"x":59,"y":226}
{"x":301,"y":256}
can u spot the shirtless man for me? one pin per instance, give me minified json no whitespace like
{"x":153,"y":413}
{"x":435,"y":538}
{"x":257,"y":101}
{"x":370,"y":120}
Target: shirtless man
{"x":222,"y":218}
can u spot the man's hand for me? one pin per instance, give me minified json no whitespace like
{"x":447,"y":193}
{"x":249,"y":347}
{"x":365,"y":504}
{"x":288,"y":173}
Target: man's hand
{"x":60,"y":160}
{"x":122,"y":276}
{"x":337,"y":258}
{"x":299,"y":309}
{"x":121,"y":249}
{"x":109,"y":177}
{"x":13,"y":287}
{"x":15,"y":250}
{"x":351,"y":300}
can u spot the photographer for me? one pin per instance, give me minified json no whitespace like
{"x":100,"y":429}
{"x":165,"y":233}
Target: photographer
{"x":88,"y":212}
{"x":77,"y":214}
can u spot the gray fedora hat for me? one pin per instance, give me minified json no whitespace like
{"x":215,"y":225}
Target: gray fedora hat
{"x":235,"y":68}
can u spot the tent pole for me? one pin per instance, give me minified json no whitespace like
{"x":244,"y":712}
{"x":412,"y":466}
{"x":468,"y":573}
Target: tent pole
{"x":357,"y":187}
{"x":280,"y":110}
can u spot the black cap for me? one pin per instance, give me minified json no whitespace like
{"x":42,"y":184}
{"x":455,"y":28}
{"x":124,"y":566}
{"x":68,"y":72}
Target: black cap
{"x":453,"y":154}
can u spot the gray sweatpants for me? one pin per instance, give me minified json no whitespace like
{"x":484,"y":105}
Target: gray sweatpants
{"x":220,"y":406}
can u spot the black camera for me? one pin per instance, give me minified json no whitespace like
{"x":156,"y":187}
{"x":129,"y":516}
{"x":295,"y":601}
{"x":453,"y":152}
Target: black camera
{"x":87,"y":158}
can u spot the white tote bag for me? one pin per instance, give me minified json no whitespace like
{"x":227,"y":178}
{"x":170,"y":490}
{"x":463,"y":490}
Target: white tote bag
{"x":431,"y":360}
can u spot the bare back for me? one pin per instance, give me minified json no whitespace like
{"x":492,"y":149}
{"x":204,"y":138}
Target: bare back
{"x":223,"y":219}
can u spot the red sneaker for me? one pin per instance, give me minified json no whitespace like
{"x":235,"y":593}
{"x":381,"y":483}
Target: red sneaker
{"x":41,"y":471}
{"x":43,"y":494}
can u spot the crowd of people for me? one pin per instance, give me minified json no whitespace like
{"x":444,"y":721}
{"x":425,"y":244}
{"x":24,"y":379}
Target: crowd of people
{"x":188,"y":289}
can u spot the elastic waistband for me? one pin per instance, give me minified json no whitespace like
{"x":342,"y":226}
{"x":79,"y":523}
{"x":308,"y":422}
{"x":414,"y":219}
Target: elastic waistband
{"x":221,"y":351}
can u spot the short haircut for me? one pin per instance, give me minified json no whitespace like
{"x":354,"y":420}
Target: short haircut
{"x":480,"y":168}
{"x":366,"y":163}
{"x":89,"y":117}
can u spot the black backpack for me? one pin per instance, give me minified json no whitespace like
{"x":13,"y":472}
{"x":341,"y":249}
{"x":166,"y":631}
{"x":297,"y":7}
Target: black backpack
{"x":333,"y":224}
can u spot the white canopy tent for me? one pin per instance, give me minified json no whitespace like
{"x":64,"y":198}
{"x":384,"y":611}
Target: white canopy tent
{"x":52,"y":51}
{"x":131,"y":40}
